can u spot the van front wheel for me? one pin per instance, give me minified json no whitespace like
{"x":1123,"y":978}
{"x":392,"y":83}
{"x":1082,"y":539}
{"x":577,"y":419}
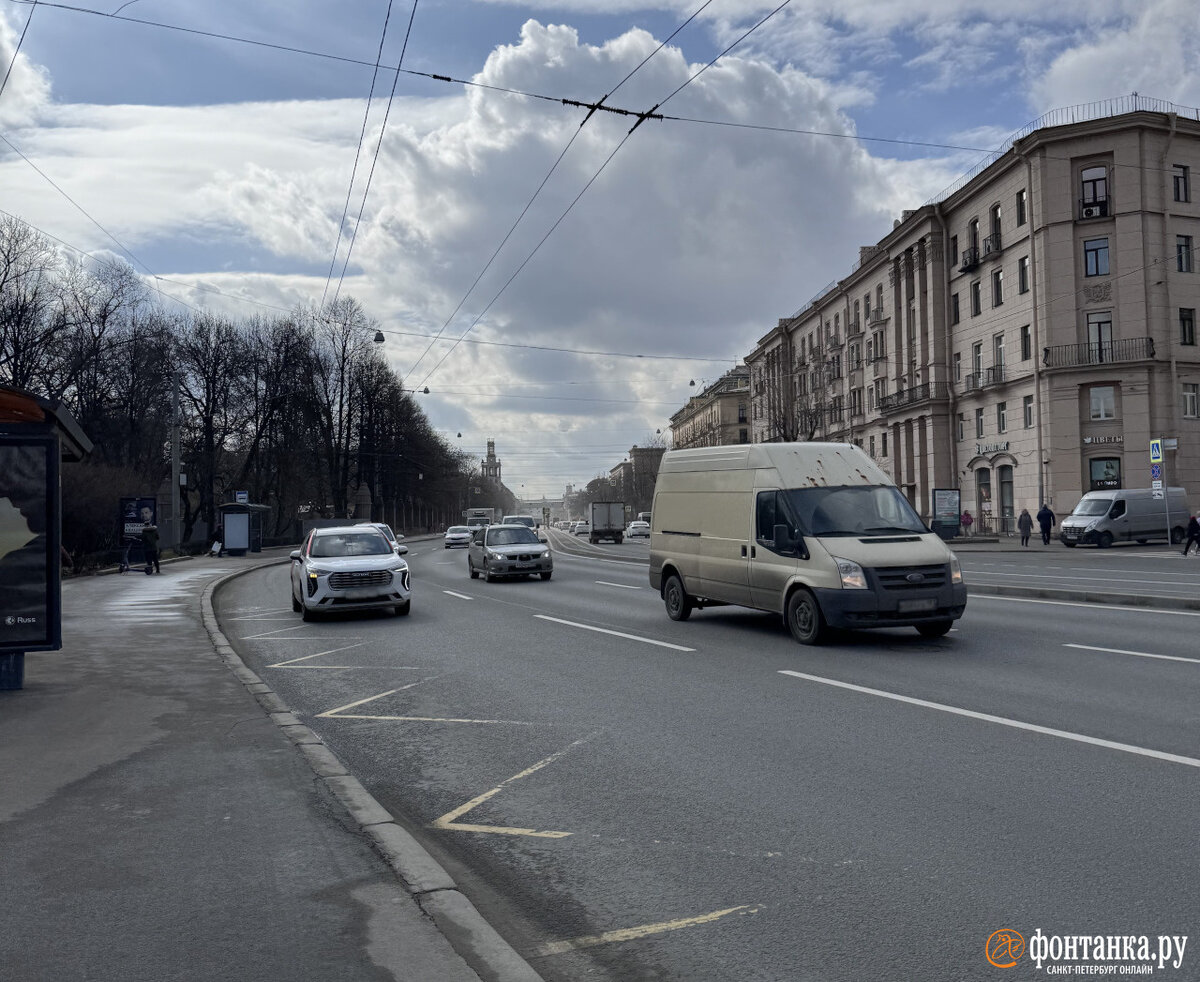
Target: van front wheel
{"x":679,"y":604}
{"x":804,"y":618}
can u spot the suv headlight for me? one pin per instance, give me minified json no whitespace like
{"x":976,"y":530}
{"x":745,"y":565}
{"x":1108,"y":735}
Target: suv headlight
{"x":853,"y":577}
{"x":955,"y":569}
{"x":496,"y":556}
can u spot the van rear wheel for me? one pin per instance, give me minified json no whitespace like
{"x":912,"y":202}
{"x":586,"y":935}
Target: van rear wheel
{"x":804,"y":618}
{"x":679,"y":604}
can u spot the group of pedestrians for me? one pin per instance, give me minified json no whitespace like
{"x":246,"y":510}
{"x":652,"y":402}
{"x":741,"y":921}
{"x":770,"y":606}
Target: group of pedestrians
{"x":1046,"y":520}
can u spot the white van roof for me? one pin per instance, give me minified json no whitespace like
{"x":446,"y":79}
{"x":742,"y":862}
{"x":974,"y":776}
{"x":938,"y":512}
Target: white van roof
{"x":805,"y":464}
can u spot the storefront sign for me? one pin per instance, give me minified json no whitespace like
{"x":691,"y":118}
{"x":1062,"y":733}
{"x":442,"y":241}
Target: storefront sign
{"x":982,"y":448}
{"x":1103,"y":439}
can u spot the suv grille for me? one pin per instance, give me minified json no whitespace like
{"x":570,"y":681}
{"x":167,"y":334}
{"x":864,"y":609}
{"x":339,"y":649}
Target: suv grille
{"x":376,"y":577}
{"x":911,"y":577}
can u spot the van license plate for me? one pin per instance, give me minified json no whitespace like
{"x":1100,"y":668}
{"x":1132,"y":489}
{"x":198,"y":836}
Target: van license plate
{"x":915,"y":606}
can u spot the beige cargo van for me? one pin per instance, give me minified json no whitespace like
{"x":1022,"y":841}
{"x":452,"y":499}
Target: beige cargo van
{"x":816,"y":532}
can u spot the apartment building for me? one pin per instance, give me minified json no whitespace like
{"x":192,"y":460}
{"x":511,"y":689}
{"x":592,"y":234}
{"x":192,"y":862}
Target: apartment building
{"x":1023,"y":337}
{"x":720,"y":414}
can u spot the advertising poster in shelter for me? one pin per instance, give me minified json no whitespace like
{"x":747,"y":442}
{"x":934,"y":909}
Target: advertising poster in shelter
{"x":30,"y":592}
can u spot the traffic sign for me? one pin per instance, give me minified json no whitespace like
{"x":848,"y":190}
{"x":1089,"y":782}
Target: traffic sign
{"x":1155,"y":471}
{"x":1157,"y":495}
{"x":1156,"y":451}
{"x":241,"y":497}
{"x":1156,"y":485}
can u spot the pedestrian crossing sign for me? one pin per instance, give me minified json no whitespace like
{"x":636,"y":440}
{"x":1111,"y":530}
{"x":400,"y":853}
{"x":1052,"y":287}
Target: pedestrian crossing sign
{"x":1156,"y":451}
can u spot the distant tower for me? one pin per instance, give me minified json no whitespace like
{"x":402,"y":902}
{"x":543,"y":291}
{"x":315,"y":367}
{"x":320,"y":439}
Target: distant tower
{"x":491,"y":466}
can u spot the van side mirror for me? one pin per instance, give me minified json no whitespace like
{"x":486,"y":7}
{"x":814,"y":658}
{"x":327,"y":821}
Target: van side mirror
{"x":786,"y":543}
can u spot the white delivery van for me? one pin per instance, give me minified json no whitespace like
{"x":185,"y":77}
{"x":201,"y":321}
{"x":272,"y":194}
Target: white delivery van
{"x":1123,"y":514}
{"x":816,"y":532}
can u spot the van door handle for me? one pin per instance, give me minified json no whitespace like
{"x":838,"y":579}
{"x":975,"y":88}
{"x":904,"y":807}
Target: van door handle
{"x":743,"y":552}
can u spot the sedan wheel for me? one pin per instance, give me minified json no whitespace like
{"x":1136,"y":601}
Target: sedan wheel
{"x":545,"y":576}
{"x":306,"y":614}
{"x":471,"y":569}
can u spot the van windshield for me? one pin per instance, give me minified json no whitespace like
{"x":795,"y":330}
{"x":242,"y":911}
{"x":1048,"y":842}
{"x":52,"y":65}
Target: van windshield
{"x":856,"y":509}
{"x":1093,"y":506}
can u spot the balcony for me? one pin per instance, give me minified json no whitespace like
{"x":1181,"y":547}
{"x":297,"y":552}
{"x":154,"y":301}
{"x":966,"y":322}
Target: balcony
{"x":991,"y":246}
{"x":854,"y":328}
{"x":833,"y":343}
{"x":878,"y":316}
{"x":925,"y":392}
{"x":1098,"y":353}
{"x":1096,"y":208}
{"x":970,"y":259}
{"x":993,"y":375}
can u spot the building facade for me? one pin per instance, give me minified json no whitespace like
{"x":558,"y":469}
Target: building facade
{"x":720,"y":414}
{"x":1024,"y":337}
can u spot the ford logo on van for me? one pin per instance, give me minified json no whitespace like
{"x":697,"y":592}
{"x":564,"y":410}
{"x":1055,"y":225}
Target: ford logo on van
{"x":915,"y":577}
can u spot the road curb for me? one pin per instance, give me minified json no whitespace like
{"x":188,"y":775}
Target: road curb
{"x":437,"y":894}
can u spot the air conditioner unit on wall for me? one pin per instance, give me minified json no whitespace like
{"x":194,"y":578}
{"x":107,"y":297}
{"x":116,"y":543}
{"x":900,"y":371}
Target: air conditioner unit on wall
{"x":1090,"y":211}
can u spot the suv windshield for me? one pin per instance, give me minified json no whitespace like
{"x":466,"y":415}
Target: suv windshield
{"x":510,"y":537}
{"x":856,"y":509}
{"x":1093,"y":506}
{"x":350,"y":544}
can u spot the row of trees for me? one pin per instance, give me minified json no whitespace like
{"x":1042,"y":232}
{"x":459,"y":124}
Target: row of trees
{"x":301,"y":410}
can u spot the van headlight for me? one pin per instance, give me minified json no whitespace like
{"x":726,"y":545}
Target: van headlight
{"x":853,"y":577}
{"x":955,"y":570}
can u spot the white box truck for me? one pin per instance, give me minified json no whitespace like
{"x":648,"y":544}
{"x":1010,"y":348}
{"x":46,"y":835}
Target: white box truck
{"x":608,"y":521}
{"x":816,"y":532}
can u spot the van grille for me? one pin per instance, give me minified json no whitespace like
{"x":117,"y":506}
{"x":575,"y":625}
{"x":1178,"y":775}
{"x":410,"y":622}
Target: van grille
{"x":911,"y":577}
{"x":377,"y":577}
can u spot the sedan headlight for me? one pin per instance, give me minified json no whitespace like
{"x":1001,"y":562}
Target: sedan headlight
{"x":853,"y":577}
{"x":955,"y":570}
{"x":496,"y":556}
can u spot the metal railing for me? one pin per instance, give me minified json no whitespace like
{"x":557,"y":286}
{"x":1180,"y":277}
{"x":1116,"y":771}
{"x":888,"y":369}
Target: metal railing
{"x":1098,"y":353}
{"x":991,"y":245}
{"x":969,"y":259}
{"x":925,"y":392}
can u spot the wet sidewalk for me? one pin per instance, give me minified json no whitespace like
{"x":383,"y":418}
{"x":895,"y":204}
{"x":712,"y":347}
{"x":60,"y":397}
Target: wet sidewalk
{"x":162,"y":820}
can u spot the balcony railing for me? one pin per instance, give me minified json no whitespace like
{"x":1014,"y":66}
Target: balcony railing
{"x":925,"y":392}
{"x":833,"y":342}
{"x":1096,"y":208}
{"x":969,"y":259}
{"x":878,"y":316}
{"x":854,"y":328}
{"x":993,"y":375}
{"x":1098,"y":353}
{"x":991,"y":246}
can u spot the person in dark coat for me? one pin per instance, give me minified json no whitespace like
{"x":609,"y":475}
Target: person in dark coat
{"x":1193,"y":535}
{"x":150,"y":546}
{"x":1025,"y":526}
{"x":1046,"y":520}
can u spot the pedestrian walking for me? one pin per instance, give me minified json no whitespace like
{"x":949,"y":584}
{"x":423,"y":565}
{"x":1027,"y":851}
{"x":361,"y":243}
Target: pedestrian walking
{"x":1193,"y":535}
{"x":1047,"y":521}
{"x":1025,"y":526}
{"x":150,"y":546}
{"x":218,"y":546}
{"x":966,"y":521}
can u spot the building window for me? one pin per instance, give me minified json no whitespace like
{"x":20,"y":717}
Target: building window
{"x":866,"y":306}
{"x":743,"y":436}
{"x":871,"y":444}
{"x":977,"y":358}
{"x":1095,"y":257}
{"x":741,"y":412}
{"x":1104,"y":401}
{"x":1021,"y":207}
{"x":997,"y":287}
{"x":976,"y":299}
{"x":1180,"y":178}
{"x":978,"y":423}
{"x":1023,"y":274}
{"x":883,"y":450}
{"x":954,"y":250}
{"x":1191,"y":399}
{"x":1094,"y":188}
{"x":1027,"y":411}
{"x":995,"y":214}
{"x":1187,"y":325}
{"x":973,"y":234}
{"x":1183,"y":253}
{"x":1026,"y":343}
{"x":998,"y":353}
{"x":962,"y":427}
{"x":957,"y":366}
{"x":1001,"y":417}
{"x":1100,"y":342}
{"x":954,"y":317}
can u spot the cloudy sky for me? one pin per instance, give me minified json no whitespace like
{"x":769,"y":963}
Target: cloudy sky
{"x":155,"y":131}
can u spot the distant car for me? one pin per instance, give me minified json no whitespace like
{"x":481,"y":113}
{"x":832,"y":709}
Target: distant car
{"x":457,"y":535}
{"x":508,"y":550}
{"x":636,"y":529}
{"x":350,"y":567}
{"x":582,"y":528}
{"x":391,"y":536}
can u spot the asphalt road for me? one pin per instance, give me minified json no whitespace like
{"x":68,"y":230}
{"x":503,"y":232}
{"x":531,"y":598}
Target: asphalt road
{"x":625,"y":797}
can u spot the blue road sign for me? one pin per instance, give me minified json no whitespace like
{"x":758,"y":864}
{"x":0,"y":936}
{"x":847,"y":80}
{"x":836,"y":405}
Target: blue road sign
{"x":1156,"y":451}
{"x":1156,"y":472}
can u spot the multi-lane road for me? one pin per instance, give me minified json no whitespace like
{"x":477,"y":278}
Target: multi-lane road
{"x":626,"y":797}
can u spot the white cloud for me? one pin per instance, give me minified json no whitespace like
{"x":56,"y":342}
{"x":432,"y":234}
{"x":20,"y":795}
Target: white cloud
{"x":28,"y":87}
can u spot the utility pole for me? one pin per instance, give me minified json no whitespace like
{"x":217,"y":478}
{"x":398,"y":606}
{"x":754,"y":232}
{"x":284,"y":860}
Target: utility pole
{"x":176,"y":524}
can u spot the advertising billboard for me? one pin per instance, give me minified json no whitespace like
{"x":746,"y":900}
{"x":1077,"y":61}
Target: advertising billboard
{"x":30,"y":588}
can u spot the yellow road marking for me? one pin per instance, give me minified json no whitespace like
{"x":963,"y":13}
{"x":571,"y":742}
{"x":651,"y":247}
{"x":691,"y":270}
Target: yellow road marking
{"x":646,"y":930}
{"x":448,"y":821}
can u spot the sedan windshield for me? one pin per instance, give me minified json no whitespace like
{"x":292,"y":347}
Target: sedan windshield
{"x":458,"y":530}
{"x":856,"y":509}
{"x":350,"y":544}
{"x":511,"y":537}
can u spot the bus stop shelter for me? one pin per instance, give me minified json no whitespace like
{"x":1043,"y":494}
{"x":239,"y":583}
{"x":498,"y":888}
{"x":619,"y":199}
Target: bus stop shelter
{"x":243,"y":526}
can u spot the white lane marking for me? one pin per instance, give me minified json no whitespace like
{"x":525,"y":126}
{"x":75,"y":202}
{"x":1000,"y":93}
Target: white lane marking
{"x":282,"y":630}
{"x":1138,"y":654}
{"x":351,"y":705}
{"x":461,"y":596}
{"x":1002,"y":720}
{"x":616,"y":634}
{"x":319,"y":654}
{"x":623,"y":586}
{"x":1174,"y":581}
{"x":1079,"y":603}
